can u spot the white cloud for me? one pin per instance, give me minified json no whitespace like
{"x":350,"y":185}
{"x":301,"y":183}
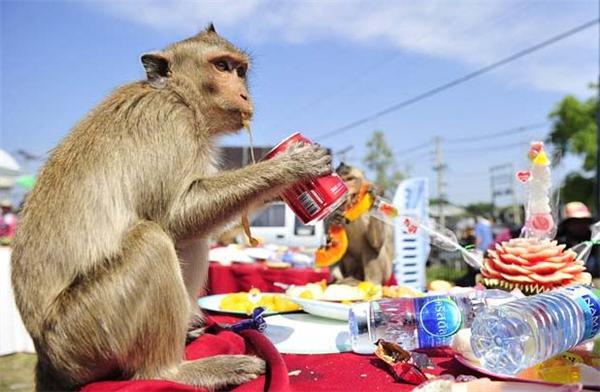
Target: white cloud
{"x":474,"y":33}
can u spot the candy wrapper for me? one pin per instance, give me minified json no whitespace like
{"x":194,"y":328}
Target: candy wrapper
{"x":400,"y":363}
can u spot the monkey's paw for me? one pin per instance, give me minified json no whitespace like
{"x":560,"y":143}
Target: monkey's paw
{"x":306,"y":160}
{"x":228,"y":370}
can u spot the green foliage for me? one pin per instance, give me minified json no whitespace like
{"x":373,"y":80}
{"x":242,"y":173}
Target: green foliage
{"x":444,"y":272}
{"x":381,"y":162}
{"x":575,"y":129}
{"x":574,"y":132}
{"x":578,"y":188}
{"x":479,"y":208}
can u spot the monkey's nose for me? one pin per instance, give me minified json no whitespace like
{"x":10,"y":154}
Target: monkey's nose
{"x":244,"y":97}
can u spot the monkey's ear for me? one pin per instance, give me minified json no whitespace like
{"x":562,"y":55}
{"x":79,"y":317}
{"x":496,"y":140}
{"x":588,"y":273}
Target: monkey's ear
{"x":211,"y":28}
{"x":156,"y":66}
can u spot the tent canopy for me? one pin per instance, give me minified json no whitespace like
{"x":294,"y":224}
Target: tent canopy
{"x":8,"y":165}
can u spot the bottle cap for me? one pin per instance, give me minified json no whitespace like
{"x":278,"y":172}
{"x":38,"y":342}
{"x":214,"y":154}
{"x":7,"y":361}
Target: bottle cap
{"x":358,"y":322}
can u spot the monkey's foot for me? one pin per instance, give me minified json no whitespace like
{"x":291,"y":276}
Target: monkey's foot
{"x":221,"y":371}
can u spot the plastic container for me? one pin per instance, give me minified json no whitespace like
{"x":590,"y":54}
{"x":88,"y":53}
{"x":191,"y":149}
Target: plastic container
{"x":314,"y":199}
{"x":523,"y":333}
{"x":425,"y":322}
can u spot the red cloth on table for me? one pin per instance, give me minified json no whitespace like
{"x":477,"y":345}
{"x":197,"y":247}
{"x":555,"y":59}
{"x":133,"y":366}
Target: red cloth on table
{"x":215,"y":342}
{"x":322,"y":372}
{"x":224,"y":279}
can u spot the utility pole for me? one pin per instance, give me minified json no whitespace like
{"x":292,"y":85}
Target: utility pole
{"x":439,"y":169}
{"x":502,"y":183}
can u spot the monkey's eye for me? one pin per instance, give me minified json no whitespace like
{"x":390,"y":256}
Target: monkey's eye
{"x":241,"y":71}
{"x":222,"y":65}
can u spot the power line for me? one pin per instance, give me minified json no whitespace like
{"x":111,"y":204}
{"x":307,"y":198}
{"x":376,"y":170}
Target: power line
{"x":486,"y":149}
{"x":412,"y":149}
{"x":485,"y":136}
{"x":462,"y":79}
{"x":510,"y":131}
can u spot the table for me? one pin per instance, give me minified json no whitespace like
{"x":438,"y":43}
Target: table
{"x":236,"y":277}
{"x":13,"y":336}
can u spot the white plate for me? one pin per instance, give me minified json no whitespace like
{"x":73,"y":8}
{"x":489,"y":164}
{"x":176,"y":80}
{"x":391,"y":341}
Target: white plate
{"x":229,"y":254}
{"x":331,"y":310}
{"x":260,"y":253}
{"x":213,"y":302}
{"x":302,"y":333}
{"x":588,"y":376}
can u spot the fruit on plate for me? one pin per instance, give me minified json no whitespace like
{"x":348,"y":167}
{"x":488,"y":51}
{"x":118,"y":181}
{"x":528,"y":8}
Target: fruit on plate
{"x":372,"y":291}
{"x":247,"y":301}
{"x":307,"y":291}
{"x":400,"y":292}
{"x":532,"y":265}
{"x":439,"y":285}
{"x":343,"y":292}
{"x":335,"y":249}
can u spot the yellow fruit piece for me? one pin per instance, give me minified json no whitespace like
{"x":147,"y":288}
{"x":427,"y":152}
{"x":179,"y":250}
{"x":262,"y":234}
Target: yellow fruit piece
{"x":306,"y":294}
{"x":267,"y":301}
{"x":282,"y":304}
{"x":237,"y":302}
{"x":365,"y":286}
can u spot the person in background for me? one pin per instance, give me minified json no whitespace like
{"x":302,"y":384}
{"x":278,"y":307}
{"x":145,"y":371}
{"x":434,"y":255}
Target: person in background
{"x":483,"y":233}
{"x":8,"y":222}
{"x":575,"y":229}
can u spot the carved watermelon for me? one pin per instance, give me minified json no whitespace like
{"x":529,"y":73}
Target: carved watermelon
{"x":533,"y":266}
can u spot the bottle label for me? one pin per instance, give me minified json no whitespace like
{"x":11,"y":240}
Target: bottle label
{"x":590,"y":305}
{"x":439,"y":318}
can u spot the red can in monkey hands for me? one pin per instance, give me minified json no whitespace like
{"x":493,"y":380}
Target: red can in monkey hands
{"x":314,"y":199}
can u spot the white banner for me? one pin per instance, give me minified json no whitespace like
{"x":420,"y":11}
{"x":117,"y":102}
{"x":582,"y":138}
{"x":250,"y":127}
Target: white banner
{"x":411,"y":250}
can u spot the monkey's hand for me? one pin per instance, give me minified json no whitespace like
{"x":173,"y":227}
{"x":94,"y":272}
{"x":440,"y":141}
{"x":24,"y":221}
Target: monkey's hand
{"x":302,"y":161}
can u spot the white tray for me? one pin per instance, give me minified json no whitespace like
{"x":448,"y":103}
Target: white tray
{"x":302,"y":333}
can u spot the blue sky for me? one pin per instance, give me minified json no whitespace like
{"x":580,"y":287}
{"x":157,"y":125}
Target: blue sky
{"x":317,"y":66}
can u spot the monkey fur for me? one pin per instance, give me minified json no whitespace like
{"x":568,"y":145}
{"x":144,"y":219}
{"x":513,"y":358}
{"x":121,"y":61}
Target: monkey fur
{"x":370,"y":241}
{"x":113,"y":242}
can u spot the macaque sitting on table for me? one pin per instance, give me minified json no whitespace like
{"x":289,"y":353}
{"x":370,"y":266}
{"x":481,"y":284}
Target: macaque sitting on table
{"x":113,"y":243}
{"x":370,"y":241}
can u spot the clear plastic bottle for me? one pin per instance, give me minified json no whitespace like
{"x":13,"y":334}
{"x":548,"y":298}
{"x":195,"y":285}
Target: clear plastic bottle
{"x":514,"y":336}
{"x":424,"y":322}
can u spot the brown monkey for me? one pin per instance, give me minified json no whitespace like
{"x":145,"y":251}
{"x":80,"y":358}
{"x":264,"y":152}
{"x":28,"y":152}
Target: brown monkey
{"x":370,"y":241}
{"x":133,"y":189}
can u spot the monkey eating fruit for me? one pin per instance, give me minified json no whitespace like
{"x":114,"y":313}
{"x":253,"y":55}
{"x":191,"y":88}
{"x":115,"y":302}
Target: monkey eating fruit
{"x":113,"y":243}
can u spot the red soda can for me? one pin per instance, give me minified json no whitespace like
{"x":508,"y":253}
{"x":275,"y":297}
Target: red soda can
{"x":313,"y":199}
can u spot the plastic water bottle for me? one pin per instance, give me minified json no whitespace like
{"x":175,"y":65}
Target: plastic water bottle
{"x":514,"y":336}
{"x":424,"y":322}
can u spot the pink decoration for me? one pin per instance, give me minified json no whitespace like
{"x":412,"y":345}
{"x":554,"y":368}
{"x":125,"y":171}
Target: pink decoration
{"x":524,"y":175}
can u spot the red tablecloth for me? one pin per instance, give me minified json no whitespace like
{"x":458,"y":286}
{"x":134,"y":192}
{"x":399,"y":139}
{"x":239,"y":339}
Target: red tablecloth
{"x":325,"y":372}
{"x":242,"y":277}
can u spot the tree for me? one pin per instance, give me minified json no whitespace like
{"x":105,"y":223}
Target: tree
{"x":381,"y":162}
{"x":574,"y":131}
{"x":480,"y":208}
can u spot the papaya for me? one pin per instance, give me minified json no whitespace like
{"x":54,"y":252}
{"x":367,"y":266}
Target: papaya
{"x":364,"y":202}
{"x":334,"y":250}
